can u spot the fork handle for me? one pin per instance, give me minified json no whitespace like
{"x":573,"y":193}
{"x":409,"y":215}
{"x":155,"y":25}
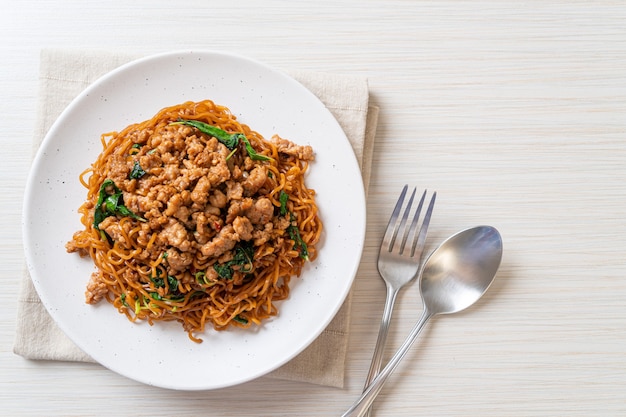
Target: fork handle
{"x":361,"y":405}
{"x":382,"y":338}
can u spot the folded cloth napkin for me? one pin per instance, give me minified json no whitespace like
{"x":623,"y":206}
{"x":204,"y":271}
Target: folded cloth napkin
{"x":63,"y":75}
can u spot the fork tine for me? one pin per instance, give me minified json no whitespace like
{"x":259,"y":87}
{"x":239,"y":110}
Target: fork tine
{"x":390,"y":233}
{"x":402,"y":225}
{"x":412,"y":230}
{"x":392,"y":230}
{"x":418,"y":243}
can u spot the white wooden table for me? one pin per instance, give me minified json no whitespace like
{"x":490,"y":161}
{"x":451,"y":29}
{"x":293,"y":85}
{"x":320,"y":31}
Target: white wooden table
{"x":515,"y":112}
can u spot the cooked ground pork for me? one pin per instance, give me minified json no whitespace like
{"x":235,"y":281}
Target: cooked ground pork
{"x":96,"y":289}
{"x":285,"y":146}
{"x":191,"y":216}
{"x":193,"y":198}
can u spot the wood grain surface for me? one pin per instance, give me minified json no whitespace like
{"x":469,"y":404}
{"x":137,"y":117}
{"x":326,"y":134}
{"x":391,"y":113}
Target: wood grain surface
{"x":515,"y":112}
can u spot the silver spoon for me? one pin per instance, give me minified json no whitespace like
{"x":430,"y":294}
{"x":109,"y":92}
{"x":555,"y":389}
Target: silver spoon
{"x":453,"y":278}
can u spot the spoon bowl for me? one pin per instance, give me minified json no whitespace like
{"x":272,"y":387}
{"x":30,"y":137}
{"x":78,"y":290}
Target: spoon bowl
{"x":453,"y":278}
{"x":459,"y":272}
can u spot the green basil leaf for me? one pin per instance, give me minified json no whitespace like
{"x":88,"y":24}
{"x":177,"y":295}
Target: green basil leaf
{"x":283,"y":197}
{"x":137,"y":172}
{"x":111,"y":204}
{"x":229,"y":140}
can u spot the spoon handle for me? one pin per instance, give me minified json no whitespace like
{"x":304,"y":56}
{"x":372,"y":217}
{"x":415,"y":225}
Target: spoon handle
{"x":360,"y":406}
{"x":385,"y":321}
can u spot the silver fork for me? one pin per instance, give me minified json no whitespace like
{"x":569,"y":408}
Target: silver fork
{"x":399,"y":263}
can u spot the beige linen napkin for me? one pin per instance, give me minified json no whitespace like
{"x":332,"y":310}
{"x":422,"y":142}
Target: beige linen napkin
{"x":63,"y":75}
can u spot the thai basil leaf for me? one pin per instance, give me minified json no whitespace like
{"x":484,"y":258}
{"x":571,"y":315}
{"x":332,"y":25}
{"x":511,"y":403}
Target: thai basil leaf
{"x":292,"y":230}
{"x":123,"y":300}
{"x":252,"y":153}
{"x":230,"y":140}
{"x":159,"y":282}
{"x":224,"y":271}
{"x":111,"y":204}
{"x":283,"y":197}
{"x":242,"y":258}
{"x":299,"y":244}
{"x":137,"y":171}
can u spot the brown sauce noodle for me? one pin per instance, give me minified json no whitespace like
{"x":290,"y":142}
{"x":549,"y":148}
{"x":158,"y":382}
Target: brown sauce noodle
{"x":213,"y":236}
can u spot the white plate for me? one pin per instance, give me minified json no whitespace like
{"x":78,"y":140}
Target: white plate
{"x":162,"y":355}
